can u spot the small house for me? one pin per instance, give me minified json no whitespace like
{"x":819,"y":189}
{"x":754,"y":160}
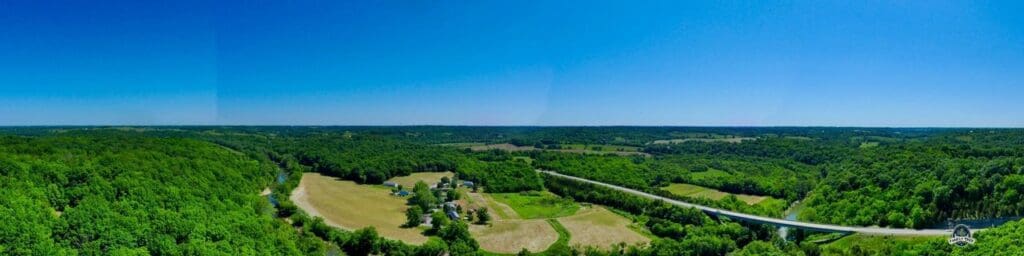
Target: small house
{"x":453,"y":215}
{"x":467,"y":183}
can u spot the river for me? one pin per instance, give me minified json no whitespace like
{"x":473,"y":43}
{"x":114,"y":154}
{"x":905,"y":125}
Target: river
{"x":791,"y":213}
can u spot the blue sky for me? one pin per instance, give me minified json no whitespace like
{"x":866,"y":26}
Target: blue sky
{"x":732,"y":63}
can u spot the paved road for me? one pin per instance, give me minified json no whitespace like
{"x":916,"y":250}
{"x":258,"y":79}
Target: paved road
{"x":767,"y":220}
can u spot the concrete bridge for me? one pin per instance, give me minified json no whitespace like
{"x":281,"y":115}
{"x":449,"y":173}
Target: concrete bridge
{"x":767,"y":220}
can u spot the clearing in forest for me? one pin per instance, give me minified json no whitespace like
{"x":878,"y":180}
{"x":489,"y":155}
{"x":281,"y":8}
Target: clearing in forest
{"x":430,"y":178}
{"x":350,"y":206}
{"x":689,"y":190}
{"x":599,"y":227}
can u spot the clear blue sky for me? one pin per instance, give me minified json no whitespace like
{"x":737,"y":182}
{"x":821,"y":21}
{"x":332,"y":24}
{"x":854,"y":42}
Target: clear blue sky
{"x":808,"y":63}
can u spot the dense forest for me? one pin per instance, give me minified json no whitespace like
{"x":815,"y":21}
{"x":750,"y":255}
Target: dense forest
{"x":121,"y":194}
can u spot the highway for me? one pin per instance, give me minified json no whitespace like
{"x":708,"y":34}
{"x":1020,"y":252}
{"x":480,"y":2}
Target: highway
{"x":767,"y":220}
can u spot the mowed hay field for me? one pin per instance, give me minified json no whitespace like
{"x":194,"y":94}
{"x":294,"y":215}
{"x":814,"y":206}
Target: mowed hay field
{"x":348,"y":205}
{"x":599,"y":227}
{"x":511,"y":236}
{"x":430,"y":178}
{"x":713,"y":194}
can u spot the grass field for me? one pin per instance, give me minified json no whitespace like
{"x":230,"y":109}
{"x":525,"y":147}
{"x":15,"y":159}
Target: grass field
{"x":429,"y":177}
{"x":510,"y":236}
{"x":347,"y":205}
{"x":698,"y":191}
{"x":526,"y":159}
{"x":868,"y":144}
{"x":537,"y":205}
{"x":710,"y":174}
{"x":599,"y":227}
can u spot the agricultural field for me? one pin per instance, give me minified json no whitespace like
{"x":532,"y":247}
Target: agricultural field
{"x":522,"y":221}
{"x":599,"y":227}
{"x":428,"y":177}
{"x":537,"y":205}
{"x":511,"y":236}
{"x":507,"y":232}
{"x":714,"y":194}
{"x":350,"y":206}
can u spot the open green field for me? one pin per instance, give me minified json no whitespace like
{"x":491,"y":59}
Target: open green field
{"x":599,"y":227}
{"x":348,"y":205}
{"x":714,"y":194}
{"x":710,"y":174}
{"x":537,"y":205}
{"x":429,"y":177}
{"x":526,"y":159}
{"x":868,"y":144}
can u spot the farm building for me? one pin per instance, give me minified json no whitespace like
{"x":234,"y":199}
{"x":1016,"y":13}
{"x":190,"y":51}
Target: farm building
{"x":390,"y":184}
{"x":402,"y":193}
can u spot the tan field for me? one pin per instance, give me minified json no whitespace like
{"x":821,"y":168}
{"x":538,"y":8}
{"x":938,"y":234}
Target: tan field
{"x":430,"y":178}
{"x":599,"y":227}
{"x":511,"y":236}
{"x":713,"y":194}
{"x":350,"y":206}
